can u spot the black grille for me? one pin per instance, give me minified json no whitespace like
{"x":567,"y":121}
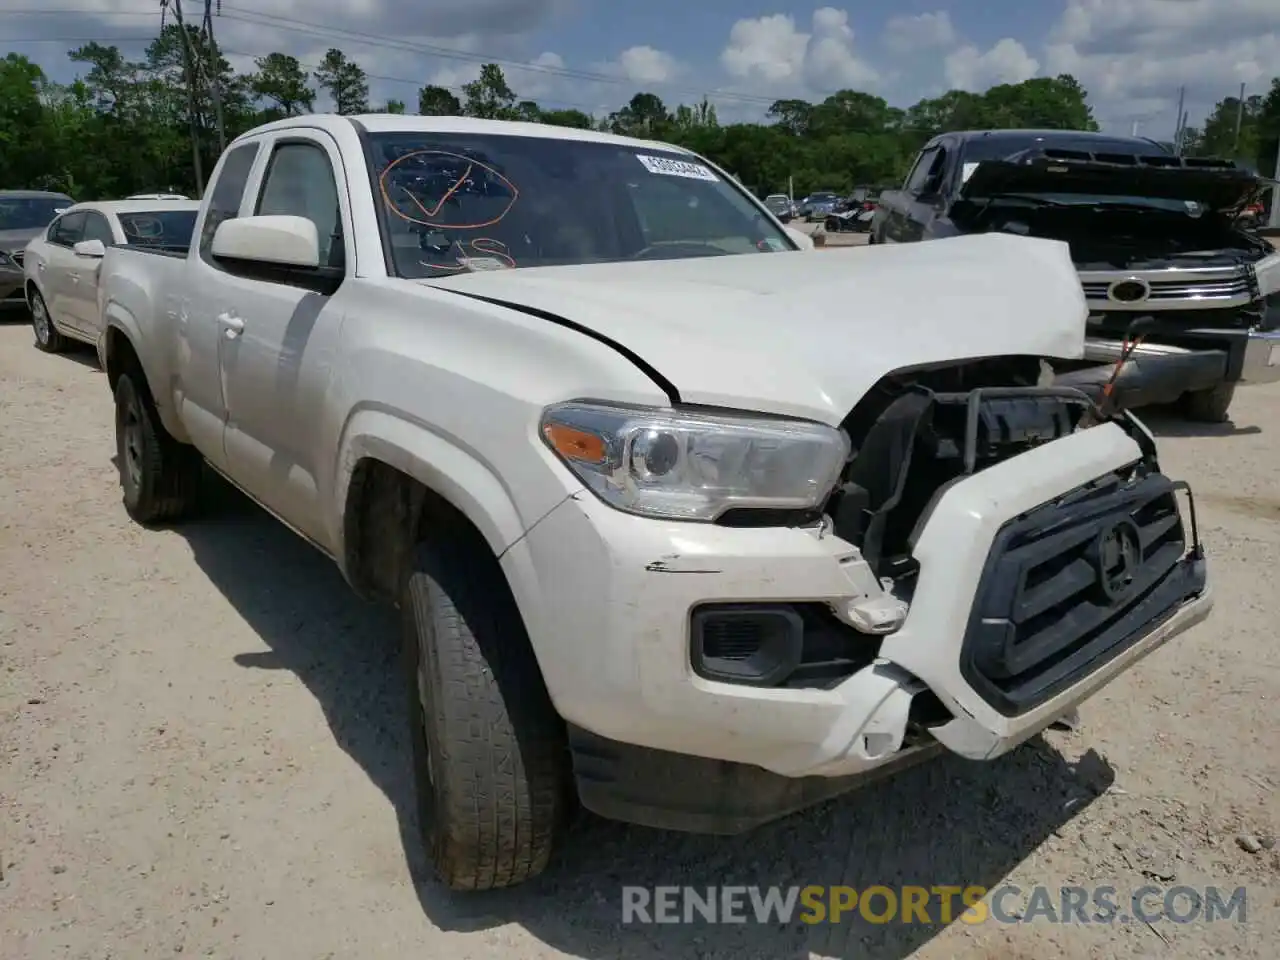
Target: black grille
{"x":1072,"y":584}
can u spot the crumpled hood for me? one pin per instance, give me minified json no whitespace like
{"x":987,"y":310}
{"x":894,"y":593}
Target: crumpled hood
{"x":809,"y":333}
{"x":1216,"y":184}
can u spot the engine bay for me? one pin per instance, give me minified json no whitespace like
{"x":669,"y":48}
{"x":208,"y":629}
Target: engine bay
{"x":1131,"y":238}
{"x":915,"y":433}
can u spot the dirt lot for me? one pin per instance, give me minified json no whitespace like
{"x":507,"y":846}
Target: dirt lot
{"x":202,"y":751}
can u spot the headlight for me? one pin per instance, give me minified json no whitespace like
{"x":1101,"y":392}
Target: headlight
{"x":6,"y":260}
{"x":694,"y":466}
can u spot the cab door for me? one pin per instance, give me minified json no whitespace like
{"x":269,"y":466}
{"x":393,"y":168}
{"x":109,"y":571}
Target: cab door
{"x":280,"y":337}
{"x":194,"y":309}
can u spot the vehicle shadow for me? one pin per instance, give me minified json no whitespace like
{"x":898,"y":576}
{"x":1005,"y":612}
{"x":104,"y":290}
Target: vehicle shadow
{"x":945,"y":822}
{"x":1169,"y":421}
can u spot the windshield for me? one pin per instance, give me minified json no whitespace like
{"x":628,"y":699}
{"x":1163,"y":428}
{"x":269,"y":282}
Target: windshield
{"x":158,"y":228}
{"x":30,"y":213}
{"x":455,"y":202}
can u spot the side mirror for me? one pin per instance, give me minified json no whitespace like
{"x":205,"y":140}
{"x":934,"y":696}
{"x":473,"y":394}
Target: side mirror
{"x":802,"y":239}
{"x":90,"y":248}
{"x":280,"y":240}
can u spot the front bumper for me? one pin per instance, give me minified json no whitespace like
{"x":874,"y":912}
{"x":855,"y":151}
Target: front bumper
{"x":608,"y":599}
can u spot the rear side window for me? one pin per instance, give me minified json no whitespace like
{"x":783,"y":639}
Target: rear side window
{"x":67,"y":230}
{"x":224,"y":201}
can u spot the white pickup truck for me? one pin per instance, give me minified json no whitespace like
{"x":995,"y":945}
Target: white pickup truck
{"x":665,"y":528}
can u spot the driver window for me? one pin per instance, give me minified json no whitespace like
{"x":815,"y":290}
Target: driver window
{"x":68,"y":230}
{"x":922,"y":171}
{"x":300,"y":183}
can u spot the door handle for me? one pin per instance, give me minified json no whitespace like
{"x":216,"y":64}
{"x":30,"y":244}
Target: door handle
{"x":232,"y":326}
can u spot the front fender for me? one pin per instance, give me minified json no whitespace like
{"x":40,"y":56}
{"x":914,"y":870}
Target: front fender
{"x":436,"y":462}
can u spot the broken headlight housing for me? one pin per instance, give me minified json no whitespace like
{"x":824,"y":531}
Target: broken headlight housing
{"x":685,"y":465}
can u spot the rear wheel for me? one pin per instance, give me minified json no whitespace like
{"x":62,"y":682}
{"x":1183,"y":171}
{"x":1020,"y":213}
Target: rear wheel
{"x":48,"y":338}
{"x":160,"y":476}
{"x":1210,"y":406}
{"x":489,"y":750}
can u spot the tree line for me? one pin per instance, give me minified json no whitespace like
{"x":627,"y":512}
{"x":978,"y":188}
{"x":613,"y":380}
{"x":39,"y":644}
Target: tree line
{"x":129,"y":126}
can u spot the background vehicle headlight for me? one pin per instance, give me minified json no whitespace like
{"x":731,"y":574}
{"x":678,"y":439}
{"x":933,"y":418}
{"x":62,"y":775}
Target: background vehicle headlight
{"x":694,"y":466}
{"x":6,"y":260}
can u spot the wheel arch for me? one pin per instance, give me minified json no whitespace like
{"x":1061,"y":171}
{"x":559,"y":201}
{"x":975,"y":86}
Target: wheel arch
{"x":398,"y":483}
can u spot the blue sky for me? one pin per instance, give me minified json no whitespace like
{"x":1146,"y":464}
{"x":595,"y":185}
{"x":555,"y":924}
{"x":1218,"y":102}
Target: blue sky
{"x":1131,"y":55}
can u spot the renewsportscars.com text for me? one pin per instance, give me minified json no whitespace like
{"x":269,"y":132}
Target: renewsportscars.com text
{"x":932,"y":905}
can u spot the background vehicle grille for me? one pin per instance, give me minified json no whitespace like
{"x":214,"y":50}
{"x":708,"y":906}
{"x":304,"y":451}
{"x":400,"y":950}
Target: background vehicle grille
{"x":1051,"y":606}
{"x":1181,"y":290}
{"x":18,"y":256}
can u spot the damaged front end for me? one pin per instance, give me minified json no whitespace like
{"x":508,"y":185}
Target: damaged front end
{"x":1064,"y":585}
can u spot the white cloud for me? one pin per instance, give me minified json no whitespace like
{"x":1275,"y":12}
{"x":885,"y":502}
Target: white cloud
{"x":771,"y":53}
{"x":968,"y":68}
{"x":1133,"y":55}
{"x":924,"y":31}
{"x":643,"y":64}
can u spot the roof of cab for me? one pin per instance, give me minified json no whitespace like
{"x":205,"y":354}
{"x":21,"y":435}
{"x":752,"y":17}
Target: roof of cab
{"x":406,"y":123}
{"x":137,"y":206}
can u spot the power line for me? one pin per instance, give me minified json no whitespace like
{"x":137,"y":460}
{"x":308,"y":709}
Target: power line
{"x":330,"y":32}
{"x":325,"y":31}
{"x":453,"y":88}
{"x":97,"y":39}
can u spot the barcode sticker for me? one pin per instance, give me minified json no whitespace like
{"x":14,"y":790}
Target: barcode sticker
{"x":677,"y":168}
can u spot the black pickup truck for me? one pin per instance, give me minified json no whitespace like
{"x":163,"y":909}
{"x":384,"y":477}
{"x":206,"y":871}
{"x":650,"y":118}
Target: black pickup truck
{"x":1155,"y":237}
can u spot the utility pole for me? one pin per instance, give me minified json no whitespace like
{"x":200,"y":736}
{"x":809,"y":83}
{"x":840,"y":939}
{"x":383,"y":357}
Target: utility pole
{"x":215,"y":81}
{"x":1134,"y":131}
{"x":1235,"y":146}
{"x":1177,"y":133}
{"x":1274,"y":220}
{"x":189,"y":71}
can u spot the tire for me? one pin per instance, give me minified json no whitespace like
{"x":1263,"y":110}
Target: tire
{"x":160,"y":476}
{"x":1210,"y":406}
{"x":48,"y":338}
{"x":490,"y":755}
{"x":831,"y":225}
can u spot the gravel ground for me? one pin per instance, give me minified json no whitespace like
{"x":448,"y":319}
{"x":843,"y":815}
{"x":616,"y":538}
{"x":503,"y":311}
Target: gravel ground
{"x":202,"y":751}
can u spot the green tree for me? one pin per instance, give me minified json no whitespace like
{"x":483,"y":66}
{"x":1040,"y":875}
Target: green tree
{"x":568,"y":118}
{"x":394,"y":106}
{"x":489,"y":96}
{"x":282,"y":81}
{"x":345,"y":82}
{"x":644,"y":116}
{"x":438,"y":102}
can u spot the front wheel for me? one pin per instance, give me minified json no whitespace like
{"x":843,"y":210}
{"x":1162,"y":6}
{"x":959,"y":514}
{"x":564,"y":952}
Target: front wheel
{"x":160,"y":476}
{"x":490,"y":755}
{"x":1210,"y":406}
{"x":48,"y":338}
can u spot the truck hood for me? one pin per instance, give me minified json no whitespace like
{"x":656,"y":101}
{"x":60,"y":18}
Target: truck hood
{"x":808,"y":334}
{"x":1216,"y":184}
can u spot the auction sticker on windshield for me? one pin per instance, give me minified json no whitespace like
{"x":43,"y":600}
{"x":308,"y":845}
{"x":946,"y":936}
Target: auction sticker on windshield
{"x":677,"y":168}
